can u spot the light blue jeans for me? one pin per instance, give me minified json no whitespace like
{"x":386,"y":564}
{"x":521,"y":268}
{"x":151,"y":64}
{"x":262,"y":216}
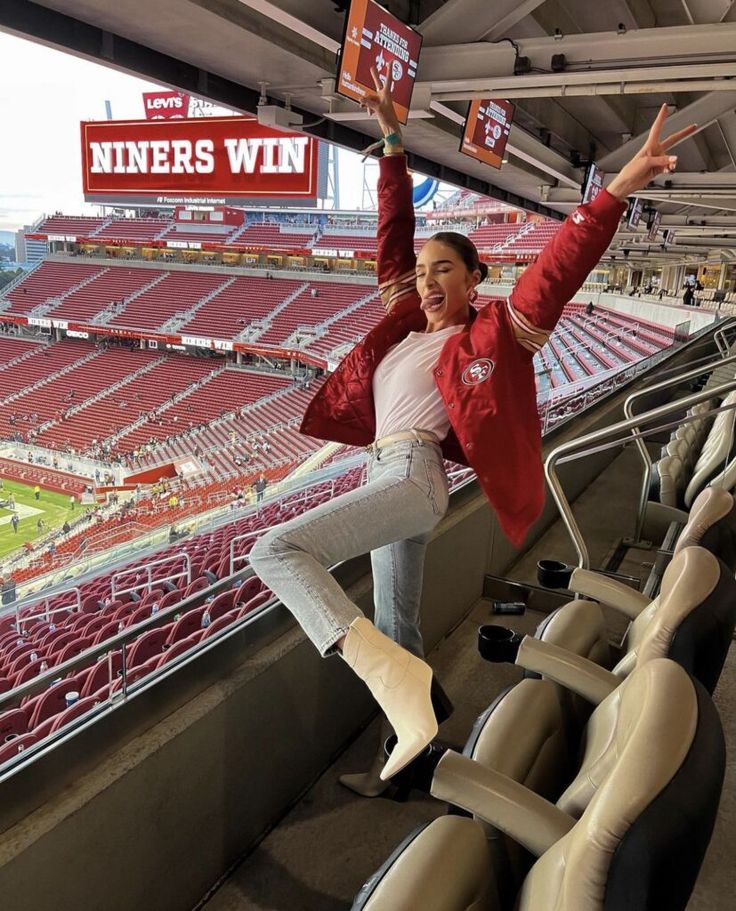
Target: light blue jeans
{"x":391,"y":516}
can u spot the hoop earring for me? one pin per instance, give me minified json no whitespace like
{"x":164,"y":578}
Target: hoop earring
{"x":472,"y":296}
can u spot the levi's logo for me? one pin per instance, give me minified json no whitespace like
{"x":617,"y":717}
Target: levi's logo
{"x":165,"y":105}
{"x":477,"y":372}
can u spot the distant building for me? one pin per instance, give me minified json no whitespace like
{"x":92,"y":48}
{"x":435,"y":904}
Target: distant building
{"x":27,"y":250}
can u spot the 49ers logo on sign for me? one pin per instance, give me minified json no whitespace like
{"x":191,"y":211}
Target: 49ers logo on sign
{"x":478,"y":371}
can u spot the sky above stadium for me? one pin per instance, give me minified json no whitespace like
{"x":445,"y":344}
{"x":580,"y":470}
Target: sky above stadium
{"x":44,"y":94}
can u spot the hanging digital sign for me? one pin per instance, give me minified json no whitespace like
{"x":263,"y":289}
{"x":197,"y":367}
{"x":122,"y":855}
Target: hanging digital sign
{"x":376,"y":38}
{"x":486,"y":130}
{"x":593,"y":183}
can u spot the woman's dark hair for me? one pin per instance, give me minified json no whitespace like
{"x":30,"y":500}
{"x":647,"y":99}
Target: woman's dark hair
{"x":465,"y":249}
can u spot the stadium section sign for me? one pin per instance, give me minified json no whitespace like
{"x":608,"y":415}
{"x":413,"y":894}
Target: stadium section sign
{"x":221,"y":158}
{"x":373,"y":37}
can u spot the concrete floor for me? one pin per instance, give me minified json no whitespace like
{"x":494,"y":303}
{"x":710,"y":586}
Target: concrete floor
{"x":332,"y":841}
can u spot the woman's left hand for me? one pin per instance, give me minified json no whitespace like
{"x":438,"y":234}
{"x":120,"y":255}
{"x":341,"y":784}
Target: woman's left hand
{"x":650,"y":161}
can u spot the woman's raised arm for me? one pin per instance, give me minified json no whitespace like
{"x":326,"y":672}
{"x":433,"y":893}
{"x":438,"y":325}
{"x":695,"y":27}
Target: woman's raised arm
{"x":539,"y":296}
{"x":396,"y":222}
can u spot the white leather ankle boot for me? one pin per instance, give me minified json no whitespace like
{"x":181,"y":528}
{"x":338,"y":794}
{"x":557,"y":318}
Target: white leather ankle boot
{"x":370,"y":783}
{"x":401,"y":684}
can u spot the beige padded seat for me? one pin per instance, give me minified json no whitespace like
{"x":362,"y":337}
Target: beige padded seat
{"x":647,"y":802}
{"x":630,"y":831}
{"x":691,"y":620}
{"x":670,"y":474}
{"x":529,"y":734}
{"x":716,"y":452}
{"x":444,"y":866}
{"x":712,"y":525}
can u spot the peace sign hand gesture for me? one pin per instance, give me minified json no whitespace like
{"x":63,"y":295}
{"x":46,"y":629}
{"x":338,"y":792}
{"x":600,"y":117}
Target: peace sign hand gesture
{"x":650,"y":161}
{"x":381,"y":104}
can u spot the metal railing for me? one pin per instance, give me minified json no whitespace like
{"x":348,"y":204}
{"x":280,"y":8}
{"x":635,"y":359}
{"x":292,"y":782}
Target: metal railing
{"x":47,"y":613}
{"x":148,"y":568}
{"x":242,"y":558}
{"x":616,"y":435}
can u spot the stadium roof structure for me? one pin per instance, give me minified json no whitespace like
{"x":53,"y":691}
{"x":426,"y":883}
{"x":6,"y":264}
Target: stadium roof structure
{"x":615,"y":64}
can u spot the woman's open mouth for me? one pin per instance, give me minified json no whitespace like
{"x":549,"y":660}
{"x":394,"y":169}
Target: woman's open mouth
{"x":432,"y":302}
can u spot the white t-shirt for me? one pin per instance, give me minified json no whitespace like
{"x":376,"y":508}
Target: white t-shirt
{"x":404,"y":390}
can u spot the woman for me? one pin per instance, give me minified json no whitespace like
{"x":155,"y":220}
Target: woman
{"x":433,"y":379}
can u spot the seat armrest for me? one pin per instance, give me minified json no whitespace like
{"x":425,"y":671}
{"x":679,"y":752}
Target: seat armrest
{"x":502,"y":802}
{"x":572,"y":671}
{"x":609,"y":591}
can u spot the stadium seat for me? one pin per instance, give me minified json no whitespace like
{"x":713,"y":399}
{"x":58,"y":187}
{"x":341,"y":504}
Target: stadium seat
{"x":691,"y":621}
{"x":141,"y":613}
{"x":99,"y":675}
{"x":49,"y":702}
{"x":72,"y":649}
{"x":59,"y":642}
{"x":17,"y":745}
{"x":55,"y":722}
{"x":4,"y":684}
{"x":148,"y":645}
{"x":629,"y":834}
{"x":196,"y":585}
{"x":444,"y":865}
{"x":221,"y":604}
{"x":171,"y":597}
{"x":31,"y":670}
{"x":186,"y":625}
{"x":248,"y":589}
{"x":110,"y":629}
{"x":25,"y":659}
{"x":183,"y":645}
{"x":222,"y":622}
{"x":140,"y":670}
{"x":259,"y":600}
{"x":13,"y":722}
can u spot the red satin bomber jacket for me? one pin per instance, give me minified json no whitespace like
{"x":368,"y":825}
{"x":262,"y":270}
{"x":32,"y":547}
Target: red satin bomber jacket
{"x":485,"y":373}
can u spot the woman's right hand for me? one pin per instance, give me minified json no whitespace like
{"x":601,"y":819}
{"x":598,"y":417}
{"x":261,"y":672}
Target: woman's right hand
{"x":381,"y":104}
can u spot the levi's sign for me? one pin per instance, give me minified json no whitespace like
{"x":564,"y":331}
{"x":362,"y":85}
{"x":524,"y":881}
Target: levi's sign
{"x":232,"y":156}
{"x":165,"y":105}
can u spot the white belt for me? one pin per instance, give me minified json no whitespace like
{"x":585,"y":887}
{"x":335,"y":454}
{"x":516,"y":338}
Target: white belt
{"x":418,"y":435}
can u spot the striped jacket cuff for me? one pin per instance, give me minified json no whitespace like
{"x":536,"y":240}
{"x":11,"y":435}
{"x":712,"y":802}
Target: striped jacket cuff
{"x":529,"y":336}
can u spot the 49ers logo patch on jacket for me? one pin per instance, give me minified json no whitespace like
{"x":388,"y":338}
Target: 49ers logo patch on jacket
{"x":478,"y":371}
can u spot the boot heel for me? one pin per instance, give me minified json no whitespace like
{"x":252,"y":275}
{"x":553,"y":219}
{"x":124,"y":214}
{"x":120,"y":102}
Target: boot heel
{"x":441,"y":702}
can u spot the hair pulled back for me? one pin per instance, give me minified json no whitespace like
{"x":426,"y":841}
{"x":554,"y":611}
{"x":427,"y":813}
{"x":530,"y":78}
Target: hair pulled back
{"x":465,"y":249}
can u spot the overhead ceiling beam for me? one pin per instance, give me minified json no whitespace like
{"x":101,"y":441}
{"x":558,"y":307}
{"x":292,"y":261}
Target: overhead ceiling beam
{"x":680,"y":78}
{"x":703,"y":112}
{"x":464,"y":21}
{"x":635,"y":49}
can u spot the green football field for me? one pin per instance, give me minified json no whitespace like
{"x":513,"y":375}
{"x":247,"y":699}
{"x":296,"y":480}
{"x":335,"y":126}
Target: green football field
{"x":53,"y":508}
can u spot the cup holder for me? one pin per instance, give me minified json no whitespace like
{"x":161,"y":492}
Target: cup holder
{"x":498,"y":644}
{"x":553,"y":574}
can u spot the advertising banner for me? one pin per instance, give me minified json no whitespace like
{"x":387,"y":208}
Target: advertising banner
{"x":204,"y":158}
{"x":373,"y":37}
{"x":487,"y":129}
{"x":165,"y":105}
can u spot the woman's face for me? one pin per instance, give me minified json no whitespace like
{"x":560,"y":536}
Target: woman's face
{"x":443,"y":283}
